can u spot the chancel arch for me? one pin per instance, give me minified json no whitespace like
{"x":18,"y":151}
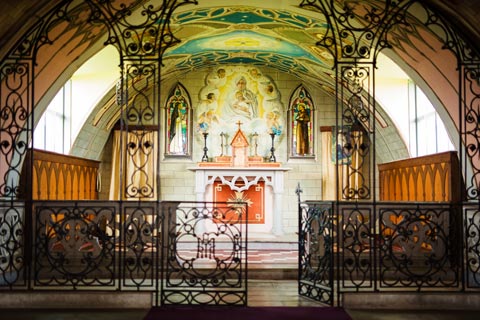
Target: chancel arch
{"x":228,"y":121}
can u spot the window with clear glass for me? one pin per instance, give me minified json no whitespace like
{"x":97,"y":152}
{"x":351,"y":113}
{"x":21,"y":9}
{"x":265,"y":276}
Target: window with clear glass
{"x":53,"y":131}
{"x":428,"y":134}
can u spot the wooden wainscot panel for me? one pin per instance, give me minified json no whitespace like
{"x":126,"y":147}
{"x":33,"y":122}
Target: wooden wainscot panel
{"x":62,"y":177}
{"x":428,"y":178}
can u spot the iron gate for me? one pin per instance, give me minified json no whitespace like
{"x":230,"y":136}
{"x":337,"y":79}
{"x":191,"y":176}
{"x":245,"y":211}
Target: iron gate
{"x":315,"y":251}
{"x":206,"y":254}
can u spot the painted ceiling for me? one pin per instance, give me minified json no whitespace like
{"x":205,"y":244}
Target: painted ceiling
{"x":281,"y":35}
{"x":279,"y":39}
{"x":277,"y":34}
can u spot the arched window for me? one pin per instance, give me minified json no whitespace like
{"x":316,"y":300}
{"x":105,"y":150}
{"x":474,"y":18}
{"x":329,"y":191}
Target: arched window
{"x":178,"y":122}
{"x":301,"y":123}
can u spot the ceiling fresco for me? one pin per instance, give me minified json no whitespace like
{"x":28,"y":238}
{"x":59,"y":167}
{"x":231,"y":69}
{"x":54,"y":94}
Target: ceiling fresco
{"x":286,"y":40}
{"x":278,"y":34}
{"x":282,"y":36}
{"x":243,"y":34}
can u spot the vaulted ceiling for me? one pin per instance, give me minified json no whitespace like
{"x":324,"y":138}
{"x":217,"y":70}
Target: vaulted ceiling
{"x":278,"y":34}
{"x":284,"y":40}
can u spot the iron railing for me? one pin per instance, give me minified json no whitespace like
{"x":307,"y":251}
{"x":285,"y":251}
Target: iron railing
{"x":182,"y":252}
{"x":196,"y":253}
{"x":350,"y":247}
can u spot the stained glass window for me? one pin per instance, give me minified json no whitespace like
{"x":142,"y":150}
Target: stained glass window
{"x":301,"y":123}
{"x":178,"y":122}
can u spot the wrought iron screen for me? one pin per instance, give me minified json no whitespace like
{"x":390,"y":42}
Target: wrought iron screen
{"x":316,"y":252}
{"x":183,"y":252}
{"x":386,"y":247}
{"x":206,"y":254}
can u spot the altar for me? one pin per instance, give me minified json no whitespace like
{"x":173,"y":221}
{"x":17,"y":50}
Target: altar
{"x":241,"y":177}
{"x":265,"y":210}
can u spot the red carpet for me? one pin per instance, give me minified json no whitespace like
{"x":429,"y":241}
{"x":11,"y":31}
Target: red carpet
{"x":247,"y":313}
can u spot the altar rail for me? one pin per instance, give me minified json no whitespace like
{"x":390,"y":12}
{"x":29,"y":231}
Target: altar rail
{"x":182,"y":252}
{"x":429,"y":178}
{"x":387,"y":248}
{"x":196,"y":252}
{"x":62,"y":177}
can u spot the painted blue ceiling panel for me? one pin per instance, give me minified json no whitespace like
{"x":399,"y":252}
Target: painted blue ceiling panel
{"x":243,"y":34}
{"x":242,"y":41}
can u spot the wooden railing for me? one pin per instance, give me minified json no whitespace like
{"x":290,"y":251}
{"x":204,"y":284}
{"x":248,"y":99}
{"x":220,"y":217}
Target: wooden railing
{"x":62,"y":177}
{"x":428,"y":178}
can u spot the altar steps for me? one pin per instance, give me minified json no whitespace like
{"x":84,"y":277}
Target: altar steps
{"x":273,"y":261}
{"x":273,"y":273}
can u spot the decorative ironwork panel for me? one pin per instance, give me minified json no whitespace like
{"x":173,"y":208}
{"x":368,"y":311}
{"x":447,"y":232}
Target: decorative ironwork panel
{"x":470,"y":117}
{"x":140,"y":244}
{"x":15,"y":124}
{"x":141,"y":31}
{"x":472,"y":247}
{"x":357,"y":114}
{"x":75,"y":244}
{"x":45,"y":30}
{"x":13,"y":266}
{"x":417,"y":246}
{"x":356,"y":245}
{"x":140,"y":145}
{"x":316,"y":252}
{"x":141,"y":96}
{"x":141,"y":165}
{"x":356,"y":30}
{"x":206,"y":254}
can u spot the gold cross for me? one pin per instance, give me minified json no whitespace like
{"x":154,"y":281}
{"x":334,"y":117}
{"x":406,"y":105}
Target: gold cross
{"x":239,"y":124}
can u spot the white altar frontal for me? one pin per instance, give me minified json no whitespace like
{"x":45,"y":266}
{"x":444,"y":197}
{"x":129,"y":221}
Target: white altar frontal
{"x":266,"y":186}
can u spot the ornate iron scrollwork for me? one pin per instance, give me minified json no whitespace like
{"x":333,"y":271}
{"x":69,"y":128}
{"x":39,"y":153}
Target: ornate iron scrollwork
{"x":316,"y":252}
{"x":206,"y":255}
{"x":472,"y":233}
{"x":416,"y":247}
{"x":15,"y":124}
{"x":356,"y":244}
{"x":357,"y":115}
{"x":12,"y":245}
{"x":75,"y":245}
{"x":470,"y":128}
{"x":141,"y":243}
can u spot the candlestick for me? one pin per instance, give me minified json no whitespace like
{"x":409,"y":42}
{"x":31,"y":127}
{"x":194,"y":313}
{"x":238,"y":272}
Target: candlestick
{"x":205,"y":149}
{"x":255,"y":143}
{"x":222,"y":135}
{"x":272,"y":149}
